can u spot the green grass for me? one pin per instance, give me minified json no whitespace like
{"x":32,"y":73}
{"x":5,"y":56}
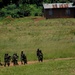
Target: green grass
{"x":59,"y":67}
{"x":55,"y":37}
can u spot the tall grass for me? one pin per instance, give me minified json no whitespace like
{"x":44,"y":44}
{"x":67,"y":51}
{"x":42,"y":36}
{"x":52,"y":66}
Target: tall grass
{"x":55,"y":37}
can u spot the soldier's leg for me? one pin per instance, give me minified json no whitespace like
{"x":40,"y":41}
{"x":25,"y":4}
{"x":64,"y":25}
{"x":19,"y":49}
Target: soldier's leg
{"x":16,"y":62}
{"x":39,"y":58}
{"x":21,"y":61}
{"x":8,"y":63}
{"x":25,"y":61}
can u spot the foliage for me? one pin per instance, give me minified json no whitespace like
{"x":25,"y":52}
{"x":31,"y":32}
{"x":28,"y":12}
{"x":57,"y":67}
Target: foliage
{"x":21,"y":8}
{"x":10,"y":10}
{"x":55,"y":37}
{"x":51,"y":67}
{"x":24,"y":10}
{"x":35,"y":11}
{"x":30,"y":10}
{"x":21,"y":11}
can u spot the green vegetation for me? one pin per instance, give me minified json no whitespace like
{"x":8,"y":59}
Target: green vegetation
{"x":21,"y":11}
{"x":21,"y":8}
{"x":55,"y":37}
{"x":47,"y":68}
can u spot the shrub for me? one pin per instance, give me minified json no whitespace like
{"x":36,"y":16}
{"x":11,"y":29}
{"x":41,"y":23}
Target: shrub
{"x":10,"y":10}
{"x":24,"y":10}
{"x":21,"y":11}
{"x":35,"y":11}
{"x":30,"y":10}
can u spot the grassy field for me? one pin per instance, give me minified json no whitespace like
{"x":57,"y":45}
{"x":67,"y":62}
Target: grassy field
{"x":55,"y":37}
{"x":63,"y":67}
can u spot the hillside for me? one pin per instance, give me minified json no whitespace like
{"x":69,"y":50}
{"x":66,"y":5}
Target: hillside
{"x":55,"y":37}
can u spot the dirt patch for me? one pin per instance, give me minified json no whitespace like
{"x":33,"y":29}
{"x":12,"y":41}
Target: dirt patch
{"x":34,"y":62}
{"x":38,"y":18}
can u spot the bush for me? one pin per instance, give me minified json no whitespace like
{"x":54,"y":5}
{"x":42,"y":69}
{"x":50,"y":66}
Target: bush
{"x":35,"y":11}
{"x":10,"y":10}
{"x":24,"y":10}
{"x":21,"y":11}
{"x":30,"y":10}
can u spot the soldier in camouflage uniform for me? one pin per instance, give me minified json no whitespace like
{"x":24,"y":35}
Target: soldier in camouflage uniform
{"x":40,"y":55}
{"x":23,"y":58}
{"x":7,"y":59}
{"x":15,"y":59}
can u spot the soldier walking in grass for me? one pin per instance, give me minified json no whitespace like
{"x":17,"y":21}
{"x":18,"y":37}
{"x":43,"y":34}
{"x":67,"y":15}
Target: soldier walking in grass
{"x":37,"y":53}
{"x":40,"y":55}
{"x":7,"y":59}
{"x":15,"y":59}
{"x":23,"y":58}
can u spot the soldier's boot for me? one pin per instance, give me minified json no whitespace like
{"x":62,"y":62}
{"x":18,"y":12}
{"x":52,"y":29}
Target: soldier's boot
{"x":21,"y":61}
{"x":41,"y":59}
{"x":8,"y":64}
{"x":17,"y":63}
{"x":25,"y":61}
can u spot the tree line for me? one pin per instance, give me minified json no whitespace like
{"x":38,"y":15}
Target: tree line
{"x":37,"y":2}
{"x":20,"y":8}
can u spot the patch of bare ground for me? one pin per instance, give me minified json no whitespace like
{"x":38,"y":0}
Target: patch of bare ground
{"x":35,"y":62}
{"x":38,"y":19}
{"x":56,"y":59}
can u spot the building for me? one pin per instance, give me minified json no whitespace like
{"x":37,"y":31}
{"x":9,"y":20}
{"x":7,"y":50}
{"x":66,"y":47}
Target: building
{"x":59,"y":10}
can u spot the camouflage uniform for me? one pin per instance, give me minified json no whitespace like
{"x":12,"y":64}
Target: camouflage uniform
{"x":15,"y":59}
{"x":40,"y":56}
{"x":7,"y":59}
{"x":23,"y":58}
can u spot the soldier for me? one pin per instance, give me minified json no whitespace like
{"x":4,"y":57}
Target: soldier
{"x":40,"y":55}
{"x":7,"y":59}
{"x":23,"y":58}
{"x":15,"y":59}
